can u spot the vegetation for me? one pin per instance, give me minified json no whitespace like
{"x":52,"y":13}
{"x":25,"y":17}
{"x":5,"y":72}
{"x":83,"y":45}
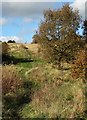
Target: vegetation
{"x":11,"y":41}
{"x":11,"y":83}
{"x":15,"y":93}
{"x":57,"y":34}
{"x":79,"y":65}
{"x":5,"y":48}
{"x":85,"y":30}
{"x":49,"y":82}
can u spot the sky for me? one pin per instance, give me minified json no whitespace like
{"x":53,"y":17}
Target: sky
{"x":20,"y":19}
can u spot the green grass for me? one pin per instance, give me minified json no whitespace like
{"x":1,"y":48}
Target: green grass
{"x":56,"y":97}
{"x":62,"y":105}
{"x":55,"y":92}
{"x":26,"y":66}
{"x":20,"y":52}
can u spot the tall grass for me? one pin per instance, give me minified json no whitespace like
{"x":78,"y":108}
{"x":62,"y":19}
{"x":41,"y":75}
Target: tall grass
{"x":10,"y":80}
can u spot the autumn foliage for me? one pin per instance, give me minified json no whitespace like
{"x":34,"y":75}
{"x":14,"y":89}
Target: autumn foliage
{"x":79,"y":65}
{"x":57,"y":34}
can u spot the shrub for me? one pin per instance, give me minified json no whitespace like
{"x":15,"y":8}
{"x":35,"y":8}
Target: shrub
{"x":15,"y":92}
{"x":79,"y":64}
{"x":5,"y":48}
{"x":5,"y":53}
{"x":62,"y":50}
{"x":11,"y":41}
{"x":35,"y":39}
{"x":10,"y":80}
{"x":12,"y":90}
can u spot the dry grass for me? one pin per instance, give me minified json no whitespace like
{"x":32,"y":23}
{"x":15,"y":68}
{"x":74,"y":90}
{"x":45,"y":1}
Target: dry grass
{"x":33,"y":48}
{"x":10,"y":79}
{"x":58,"y":96}
{"x":57,"y":93}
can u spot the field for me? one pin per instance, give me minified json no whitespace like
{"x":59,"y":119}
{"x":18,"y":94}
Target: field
{"x":46,"y":92}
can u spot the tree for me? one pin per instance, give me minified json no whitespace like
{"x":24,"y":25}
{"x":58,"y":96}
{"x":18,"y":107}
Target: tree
{"x":80,"y":63}
{"x":85,"y":36}
{"x":85,"y":30}
{"x":57,"y":33}
{"x":35,"y":38}
{"x":11,"y":41}
{"x":58,"y":23}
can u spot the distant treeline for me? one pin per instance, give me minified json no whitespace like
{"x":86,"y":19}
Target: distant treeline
{"x":10,"y":41}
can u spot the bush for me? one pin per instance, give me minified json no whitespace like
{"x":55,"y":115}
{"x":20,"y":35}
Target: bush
{"x":62,"y":50}
{"x":10,"y":80}
{"x":79,"y":64}
{"x":15,"y":92}
{"x":12,"y":90}
{"x":11,"y":41}
{"x":5,"y":53}
{"x":35,"y":39}
{"x":5,"y":48}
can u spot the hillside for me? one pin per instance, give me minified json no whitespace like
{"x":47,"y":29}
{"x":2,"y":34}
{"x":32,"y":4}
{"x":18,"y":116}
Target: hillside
{"x":31,"y":47}
{"x":48,"y":92}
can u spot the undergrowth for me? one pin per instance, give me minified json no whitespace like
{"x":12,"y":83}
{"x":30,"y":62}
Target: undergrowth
{"x":37,"y":89}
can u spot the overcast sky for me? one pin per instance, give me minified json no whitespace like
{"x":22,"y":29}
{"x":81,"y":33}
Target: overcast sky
{"x":19,"y":20}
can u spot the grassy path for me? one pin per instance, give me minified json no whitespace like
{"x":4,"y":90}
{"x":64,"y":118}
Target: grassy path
{"x":56,"y":93}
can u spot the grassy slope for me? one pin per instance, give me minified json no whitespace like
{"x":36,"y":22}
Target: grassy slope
{"x":56,"y":93}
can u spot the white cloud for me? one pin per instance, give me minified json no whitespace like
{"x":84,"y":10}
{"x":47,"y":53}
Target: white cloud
{"x":3,"y":21}
{"x":37,"y":0}
{"x":28,"y":0}
{"x":6,"y":38}
{"x":80,"y":5}
{"x":27,"y":20}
